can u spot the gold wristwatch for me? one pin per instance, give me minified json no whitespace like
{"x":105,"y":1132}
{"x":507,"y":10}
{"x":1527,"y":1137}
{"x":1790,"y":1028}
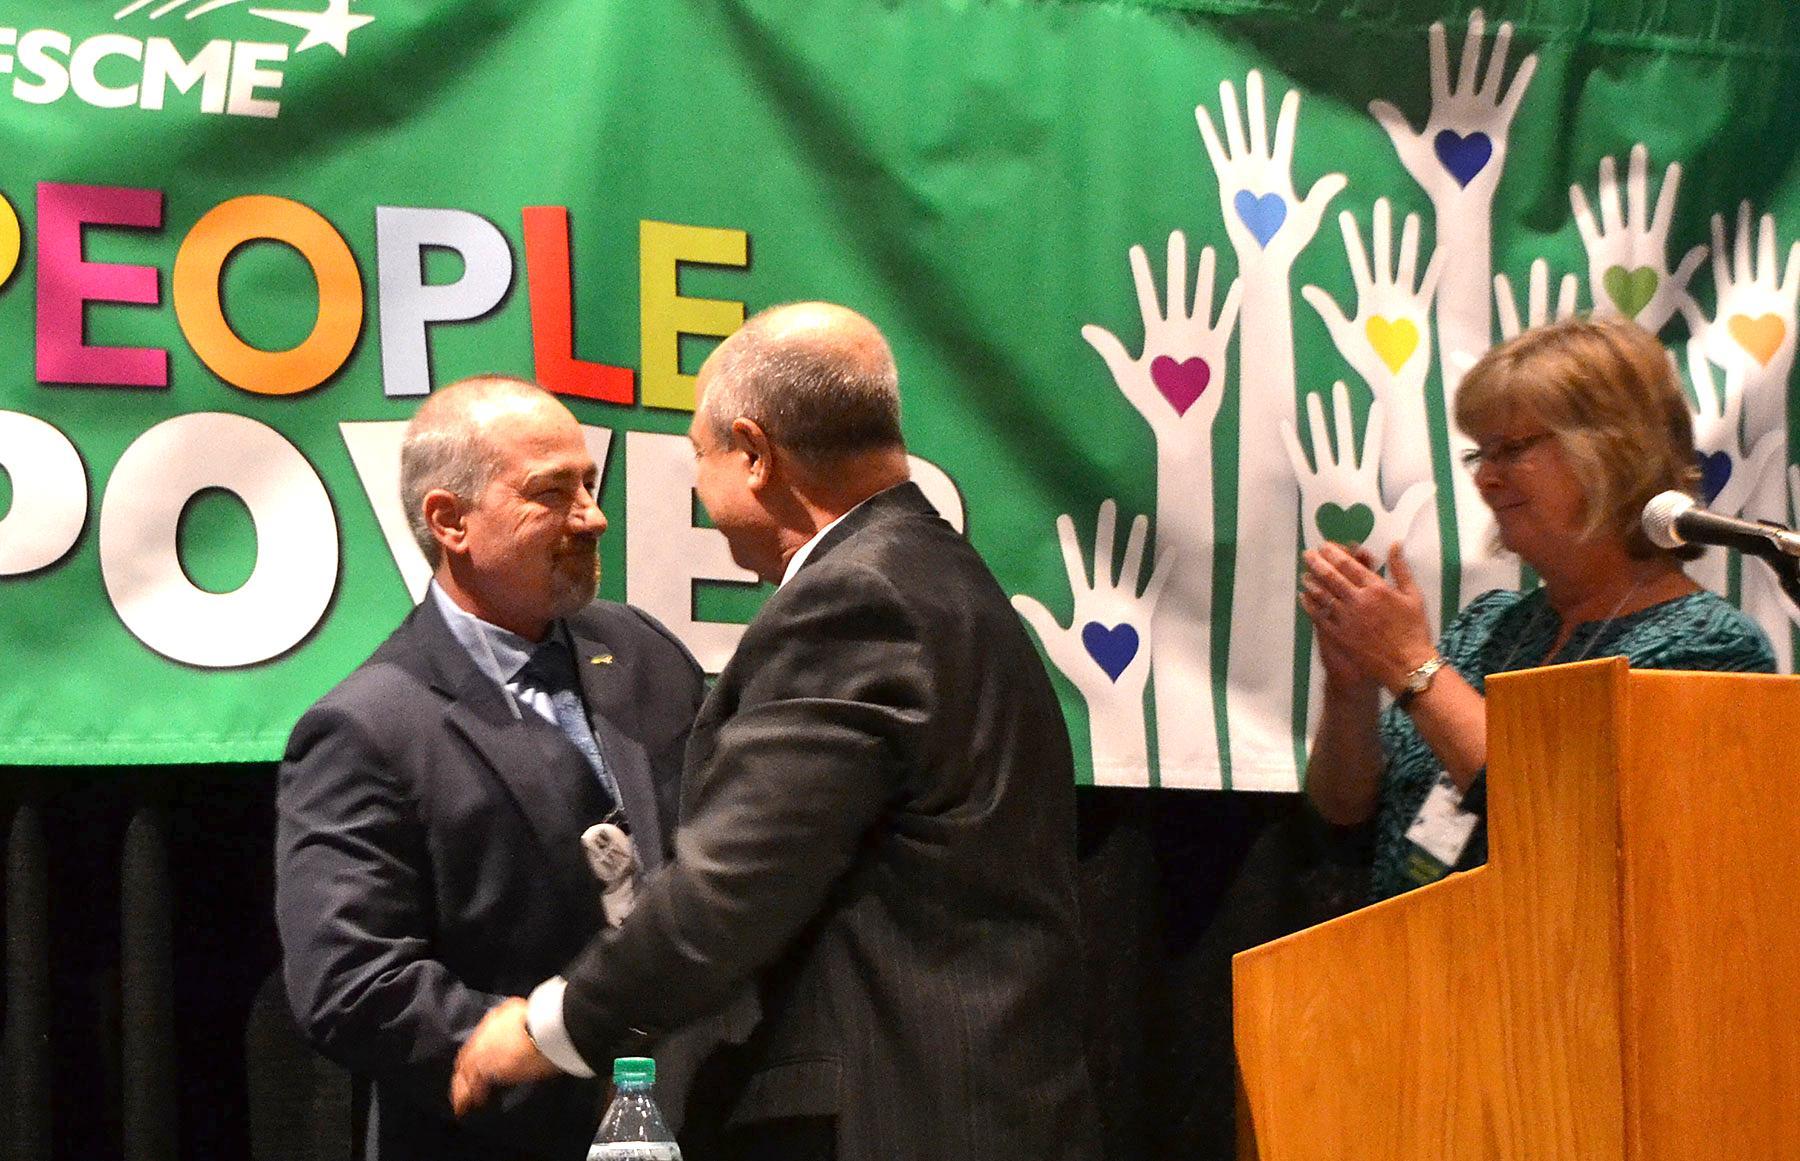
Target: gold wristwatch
{"x":1418,"y":681}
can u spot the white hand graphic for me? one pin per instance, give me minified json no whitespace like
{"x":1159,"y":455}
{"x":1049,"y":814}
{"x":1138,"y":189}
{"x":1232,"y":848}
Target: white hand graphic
{"x":1763,"y":600}
{"x":1388,"y":342}
{"x":1268,"y":226}
{"x":1341,"y":497}
{"x":1105,"y":649}
{"x":1537,"y":305}
{"x":1266,"y":221}
{"x":1779,"y":598}
{"x":1178,"y":382}
{"x":1727,"y":477}
{"x":1457,"y":157}
{"x":1461,"y":149}
{"x":1627,"y":252}
{"x":1753,"y":326}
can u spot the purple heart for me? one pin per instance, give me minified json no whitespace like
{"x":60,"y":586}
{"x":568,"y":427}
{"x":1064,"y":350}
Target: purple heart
{"x":1180,"y":382}
{"x":1262,"y":216}
{"x":1715,"y":473}
{"x":1111,"y":648}
{"x":1463,"y":156}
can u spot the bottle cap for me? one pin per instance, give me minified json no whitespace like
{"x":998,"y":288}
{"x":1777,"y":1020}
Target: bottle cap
{"x":634,"y":1070}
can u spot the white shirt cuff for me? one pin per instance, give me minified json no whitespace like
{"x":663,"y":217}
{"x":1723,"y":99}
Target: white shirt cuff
{"x":544,"y":1020}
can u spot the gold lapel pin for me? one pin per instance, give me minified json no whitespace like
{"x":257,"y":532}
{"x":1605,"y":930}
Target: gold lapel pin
{"x":602,"y":659}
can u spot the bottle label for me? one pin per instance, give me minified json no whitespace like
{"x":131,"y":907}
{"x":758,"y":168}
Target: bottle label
{"x":634,"y":1151}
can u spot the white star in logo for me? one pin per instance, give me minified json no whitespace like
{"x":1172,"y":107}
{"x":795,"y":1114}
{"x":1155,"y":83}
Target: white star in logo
{"x":332,"y":26}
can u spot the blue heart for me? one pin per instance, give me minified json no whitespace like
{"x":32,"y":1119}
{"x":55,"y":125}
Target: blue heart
{"x":1715,"y":473}
{"x":1261,"y":215}
{"x":1111,"y":648}
{"x":1463,"y":156}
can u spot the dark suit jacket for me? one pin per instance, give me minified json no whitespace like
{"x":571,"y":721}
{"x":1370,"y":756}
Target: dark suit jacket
{"x":428,"y":863}
{"x":877,"y":828}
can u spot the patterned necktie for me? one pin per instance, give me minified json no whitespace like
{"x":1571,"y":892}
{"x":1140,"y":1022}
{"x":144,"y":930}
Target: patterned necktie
{"x":551,"y":669}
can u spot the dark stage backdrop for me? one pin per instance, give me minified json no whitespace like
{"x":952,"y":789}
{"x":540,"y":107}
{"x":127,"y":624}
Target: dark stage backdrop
{"x":141,"y":1020}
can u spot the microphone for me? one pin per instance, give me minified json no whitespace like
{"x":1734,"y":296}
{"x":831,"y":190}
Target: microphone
{"x":1672,"y":519}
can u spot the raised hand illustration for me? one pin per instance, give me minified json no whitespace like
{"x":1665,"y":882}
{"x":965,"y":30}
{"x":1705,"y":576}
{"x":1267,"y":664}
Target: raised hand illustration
{"x":1460,"y":150}
{"x":1537,"y":304}
{"x":1178,"y":383}
{"x":1768,"y":598}
{"x":1106,"y":647}
{"x":1627,"y":249}
{"x":1728,"y":476}
{"x":1388,"y":340}
{"x":1265,"y":219}
{"x":1340,"y":494}
{"x":1763,"y":599}
{"x":1753,"y":323}
{"x":1457,"y":157}
{"x":1268,"y":225}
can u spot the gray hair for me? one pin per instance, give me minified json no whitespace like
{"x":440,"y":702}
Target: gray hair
{"x":818,"y":379}
{"x":446,"y":447}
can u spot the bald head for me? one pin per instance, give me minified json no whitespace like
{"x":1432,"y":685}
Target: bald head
{"x":819,"y":379}
{"x":447,"y":443}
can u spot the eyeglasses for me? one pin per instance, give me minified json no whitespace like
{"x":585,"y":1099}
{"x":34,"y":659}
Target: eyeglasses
{"x":1502,"y":453}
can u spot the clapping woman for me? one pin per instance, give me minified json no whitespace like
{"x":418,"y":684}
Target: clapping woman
{"x":1575,"y":425}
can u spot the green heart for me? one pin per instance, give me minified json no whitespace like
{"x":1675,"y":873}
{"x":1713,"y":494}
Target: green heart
{"x":1349,"y":526}
{"x":1632,"y":290}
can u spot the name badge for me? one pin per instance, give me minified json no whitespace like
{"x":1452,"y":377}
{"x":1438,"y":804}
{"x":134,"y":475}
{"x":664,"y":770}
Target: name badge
{"x":1442,"y":827}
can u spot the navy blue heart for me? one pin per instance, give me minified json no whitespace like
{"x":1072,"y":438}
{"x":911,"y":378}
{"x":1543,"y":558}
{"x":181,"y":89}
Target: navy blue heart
{"x":1111,"y":648}
{"x":1715,"y":473}
{"x":1463,"y":156}
{"x":1262,"y":216}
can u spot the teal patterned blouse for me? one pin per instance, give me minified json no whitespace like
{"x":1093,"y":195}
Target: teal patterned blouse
{"x":1504,"y":630}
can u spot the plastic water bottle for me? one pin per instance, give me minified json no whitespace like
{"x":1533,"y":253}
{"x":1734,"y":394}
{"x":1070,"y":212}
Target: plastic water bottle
{"x":633,"y":1128}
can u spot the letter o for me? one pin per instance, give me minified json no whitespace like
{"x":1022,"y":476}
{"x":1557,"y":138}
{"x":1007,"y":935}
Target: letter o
{"x":50,"y":494}
{"x":10,"y":239}
{"x":198,"y":307}
{"x":296,"y":541}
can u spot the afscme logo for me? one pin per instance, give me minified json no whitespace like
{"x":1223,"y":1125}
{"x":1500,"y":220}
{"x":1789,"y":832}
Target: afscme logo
{"x":113,"y":70}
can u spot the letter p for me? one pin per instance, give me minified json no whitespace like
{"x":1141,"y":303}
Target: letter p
{"x":408,"y":305}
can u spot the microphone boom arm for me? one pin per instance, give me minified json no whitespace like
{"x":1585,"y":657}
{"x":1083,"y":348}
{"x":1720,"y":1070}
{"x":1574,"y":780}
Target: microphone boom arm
{"x":1787,"y":575}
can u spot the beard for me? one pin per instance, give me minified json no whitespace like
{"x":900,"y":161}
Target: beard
{"x":576,"y":579}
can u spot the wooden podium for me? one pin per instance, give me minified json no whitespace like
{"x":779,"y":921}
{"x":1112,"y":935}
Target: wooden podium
{"x":1621,"y":982}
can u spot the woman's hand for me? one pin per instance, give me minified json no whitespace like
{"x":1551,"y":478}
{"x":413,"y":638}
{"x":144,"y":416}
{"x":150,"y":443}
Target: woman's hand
{"x":1370,"y":628}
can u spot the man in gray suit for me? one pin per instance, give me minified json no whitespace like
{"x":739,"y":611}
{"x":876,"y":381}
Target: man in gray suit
{"x":877,"y":810}
{"x":432,"y":808}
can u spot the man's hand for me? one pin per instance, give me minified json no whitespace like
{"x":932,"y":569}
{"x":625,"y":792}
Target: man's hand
{"x":497,"y":1054}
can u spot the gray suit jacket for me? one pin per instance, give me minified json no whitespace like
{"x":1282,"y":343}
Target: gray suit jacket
{"x":428,"y":863}
{"x":878,"y":830}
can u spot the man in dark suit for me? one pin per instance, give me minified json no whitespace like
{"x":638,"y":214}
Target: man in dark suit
{"x":877,"y":810}
{"x":430,"y":855}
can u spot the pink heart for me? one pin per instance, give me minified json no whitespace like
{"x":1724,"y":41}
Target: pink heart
{"x":1180,"y":382}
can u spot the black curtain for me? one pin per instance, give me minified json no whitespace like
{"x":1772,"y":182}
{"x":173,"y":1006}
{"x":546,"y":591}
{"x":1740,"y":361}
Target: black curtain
{"x":1173,"y":883}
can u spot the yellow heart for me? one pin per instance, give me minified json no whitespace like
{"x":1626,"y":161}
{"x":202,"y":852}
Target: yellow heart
{"x":1394,"y":340}
{"x":1759,"y":336}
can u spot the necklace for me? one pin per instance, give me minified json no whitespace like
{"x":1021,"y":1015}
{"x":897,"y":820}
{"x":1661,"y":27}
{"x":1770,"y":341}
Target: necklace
{"x":1593,"y":638}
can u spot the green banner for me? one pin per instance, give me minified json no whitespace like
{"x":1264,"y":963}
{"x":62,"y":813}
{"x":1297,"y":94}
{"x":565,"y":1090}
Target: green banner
{"x":1126,"y":254}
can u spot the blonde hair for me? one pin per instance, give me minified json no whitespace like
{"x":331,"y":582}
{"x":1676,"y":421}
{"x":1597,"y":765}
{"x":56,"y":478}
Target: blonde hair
{"x":1607,"y":392}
